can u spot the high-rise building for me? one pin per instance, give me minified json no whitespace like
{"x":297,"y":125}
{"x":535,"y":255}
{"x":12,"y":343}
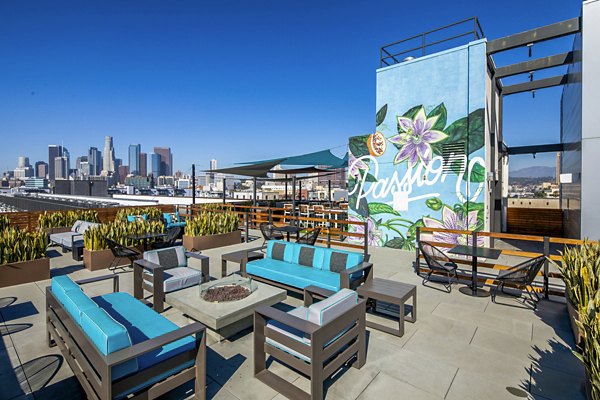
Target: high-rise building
{"x":67,"y":157}
{"x":123,"y":171}
{"x":95,"y":161}
{"x":166,"y":160}
{"x":213,"y":164}
{"x":24,"y":169}
{"x":41,"y":169}
{"x":134,"y":159}
{"x":143,"y":164}
{"x":60,"y":168}
{"x":155,"y":161}
{"x":53,"y":152}
{"x":211,"y":175}
{"x":82,"y":167}
{"x":108,"y":162}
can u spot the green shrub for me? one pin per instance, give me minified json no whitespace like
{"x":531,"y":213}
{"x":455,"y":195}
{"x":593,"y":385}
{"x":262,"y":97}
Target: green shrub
{"x":18,"y":245}
{"x":93,"y":238}
{"x":62,"y":219}
{"x":212,"y":223}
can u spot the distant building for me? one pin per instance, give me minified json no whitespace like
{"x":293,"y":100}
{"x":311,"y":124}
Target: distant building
{"x":166,"y":160}
{"x":82,"y":167}
{"x":41,"y":169}
{"x":36,"y":183}
{"x":53,"y":152}
{"x":143,"y":164}
{"x":134,"y":159}
{"x":108,"y":162}
{"x":60,"y":168}
{"x":155,"y":162}
{"x":139,"y":182}
{"x":93,"y":186}
{"x":166,"y":181}
{"x":24,"y":169}
{"x":95,"y":161}
{"x":123,"y":171}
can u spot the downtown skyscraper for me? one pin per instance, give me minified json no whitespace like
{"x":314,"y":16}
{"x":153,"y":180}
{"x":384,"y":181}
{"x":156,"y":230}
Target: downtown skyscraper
{"x":134,"y":159}
{"x":108,"y":164}
{"x":166,"y":160}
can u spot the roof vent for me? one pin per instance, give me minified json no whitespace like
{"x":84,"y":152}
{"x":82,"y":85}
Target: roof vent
{"x":455,"y":158}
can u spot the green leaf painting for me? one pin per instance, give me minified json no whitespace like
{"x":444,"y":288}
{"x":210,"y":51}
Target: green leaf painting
{"x":381,"y":208}
{"x":442,"y":114}
{"x":380,"y":117}
{"x":434,"y":203}
{"x":358,"y":146}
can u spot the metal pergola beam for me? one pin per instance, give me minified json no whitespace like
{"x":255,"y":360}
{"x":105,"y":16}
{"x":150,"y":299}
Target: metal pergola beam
{"x":536,"y":35}
{"x":535,"y":65}
{"x":539,"y":148}
{"x":534,"y":85}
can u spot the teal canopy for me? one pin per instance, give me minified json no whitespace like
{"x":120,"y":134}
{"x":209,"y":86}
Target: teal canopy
{"x":323,"y":157}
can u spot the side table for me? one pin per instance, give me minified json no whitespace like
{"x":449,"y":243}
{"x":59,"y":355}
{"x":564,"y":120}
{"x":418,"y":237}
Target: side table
{"x":392,"y":292}
{"x":236,"y":257}
{"x":77,"y":250}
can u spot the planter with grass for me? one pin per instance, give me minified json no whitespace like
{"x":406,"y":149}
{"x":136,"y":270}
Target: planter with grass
{"x":97,"y":255}
{"x":60,"y":221}
{"x":22,"y":257}
{"x":210,"y":229}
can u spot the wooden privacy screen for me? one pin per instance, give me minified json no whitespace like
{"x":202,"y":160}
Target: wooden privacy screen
{"x":535,"y":221}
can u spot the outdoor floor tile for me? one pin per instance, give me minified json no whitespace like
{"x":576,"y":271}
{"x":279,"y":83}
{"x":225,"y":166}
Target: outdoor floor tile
{"x":473,"y":386}
{"x":556,"y":385}
{"x":384,"y":386}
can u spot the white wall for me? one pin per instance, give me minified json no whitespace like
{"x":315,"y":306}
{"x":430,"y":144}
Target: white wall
{"x":590,"y":142}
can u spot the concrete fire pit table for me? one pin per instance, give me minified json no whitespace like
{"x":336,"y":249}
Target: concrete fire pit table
{"x":224,"y":319}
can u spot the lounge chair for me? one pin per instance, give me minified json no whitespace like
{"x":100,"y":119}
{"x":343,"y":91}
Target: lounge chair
{"x":521,"y":276}
{"x":117,"y":346}
{"x":310,"y":237}
{"x":119,"y":251}
{"x":438,"y":261}
{"x":316,"y":340}
{"x":66,"y":240}
{"x":166,"y":270}
{"x":268,"y":233}
{"x":173,"y":234}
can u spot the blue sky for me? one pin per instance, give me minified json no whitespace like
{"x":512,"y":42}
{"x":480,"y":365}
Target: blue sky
{"x":231,"y":80}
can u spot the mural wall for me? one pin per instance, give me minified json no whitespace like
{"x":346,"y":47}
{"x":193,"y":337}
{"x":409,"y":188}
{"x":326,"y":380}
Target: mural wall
{"x":425,"y":163}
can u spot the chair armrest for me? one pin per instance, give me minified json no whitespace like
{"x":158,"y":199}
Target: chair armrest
{"x":196,"y":255}
{"x":312,"y":291}
{"x":292,"y":321}
{"x":150,"y":266}
{"x":114,"y":277}
{"x":345,"y":275}
{"x":244,"y":260}
{"x":205,"y":266}
{"x":146,"y":346}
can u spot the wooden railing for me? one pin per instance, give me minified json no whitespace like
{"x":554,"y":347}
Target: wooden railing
{"x":549,"y":247}
{"x":334,"y":230}
{"x":29,"y":219}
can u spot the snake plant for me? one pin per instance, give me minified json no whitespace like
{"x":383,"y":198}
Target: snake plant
{"x":61,"y":219}
{"x":17,"y":245}
{"x":4,"y":222}
{"x":589,"y":322}
{"x":212,"y":223}
{"x":93,"y":238}
{"x":580,"y":268}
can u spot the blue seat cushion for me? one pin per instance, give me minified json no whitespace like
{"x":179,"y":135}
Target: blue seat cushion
{"x":293,"y":274}
{"x":76,"y":302}
{"x":175,"y":224}
{"x":143,"y":323}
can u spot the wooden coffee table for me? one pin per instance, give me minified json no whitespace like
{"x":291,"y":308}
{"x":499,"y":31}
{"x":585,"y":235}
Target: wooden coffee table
{"x":236,"y":257}
{"x":223,"y":320}
{"x":391,"y":292}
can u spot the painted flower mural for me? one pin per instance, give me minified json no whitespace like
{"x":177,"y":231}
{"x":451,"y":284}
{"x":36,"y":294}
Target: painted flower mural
{"x":414,"y":138}
{"x":374,"y":235}
{"x":355,"y":165}
{"x":452,"y":220}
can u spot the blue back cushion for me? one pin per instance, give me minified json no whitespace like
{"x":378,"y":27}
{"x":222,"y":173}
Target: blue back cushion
{"x":76,"y":302}
{"x":61,"y":284}
{"x":288,"y":255}
{"x":108,"y":336}
{"x":171,"y":217}
{"x":132,"y":218}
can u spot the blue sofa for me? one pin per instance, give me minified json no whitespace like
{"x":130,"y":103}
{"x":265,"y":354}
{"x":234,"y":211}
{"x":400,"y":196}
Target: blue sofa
{"x":118,"y":346}
{"x":296,"y":266}
{"x":173,"y":220}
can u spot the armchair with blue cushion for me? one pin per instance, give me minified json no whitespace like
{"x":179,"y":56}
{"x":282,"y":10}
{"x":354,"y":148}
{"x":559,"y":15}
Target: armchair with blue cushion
{"x":166,"y":270}
{"x":316,"y":339}
{"x":295,"y":266}
{"x":117,"y":346}
{"x":172,"y":220}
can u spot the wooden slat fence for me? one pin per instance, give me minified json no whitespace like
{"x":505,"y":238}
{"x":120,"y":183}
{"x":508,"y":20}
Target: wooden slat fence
{"x":535,"y":221}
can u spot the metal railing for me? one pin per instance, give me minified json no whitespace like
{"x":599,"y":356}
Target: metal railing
{"x":388,"y":55}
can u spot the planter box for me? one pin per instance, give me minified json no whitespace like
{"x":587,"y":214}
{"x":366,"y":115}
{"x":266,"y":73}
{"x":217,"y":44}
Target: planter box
{"x":24,"y":272}
{"x":573,"y":318}
{"x":197,"y":243}
{"x":100,"y":259}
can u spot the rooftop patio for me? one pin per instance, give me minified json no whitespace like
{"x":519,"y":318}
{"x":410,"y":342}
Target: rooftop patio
{"x":460,"y":347}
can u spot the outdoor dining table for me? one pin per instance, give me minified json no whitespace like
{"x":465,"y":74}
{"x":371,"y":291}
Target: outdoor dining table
{"x":288,"y":229}
{"x":145,"y":237}
{"x":475,"y":252}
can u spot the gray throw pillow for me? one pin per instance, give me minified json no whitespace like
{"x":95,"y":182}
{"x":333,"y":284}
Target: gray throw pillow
{"x":337,"y":261}
{"x":307,"y":254}
{"x":168,"y":258}
{"x":278,"y":251}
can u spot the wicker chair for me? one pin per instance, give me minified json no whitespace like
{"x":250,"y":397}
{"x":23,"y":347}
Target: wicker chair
{"x":309,"y":237}
{"x":172,"y":235}
{"x":269,"y":233}
{"x":436,"y":260}
{"x":521,"y":276}
{"x":119,"y":251}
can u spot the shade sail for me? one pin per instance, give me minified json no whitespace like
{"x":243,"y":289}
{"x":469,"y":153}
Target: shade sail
{"x":323,"y":157}
{"x":258,"y":170}
{"x":297,"y":171}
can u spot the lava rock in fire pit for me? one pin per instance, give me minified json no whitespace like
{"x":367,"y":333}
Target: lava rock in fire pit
{"x":226,"y":293}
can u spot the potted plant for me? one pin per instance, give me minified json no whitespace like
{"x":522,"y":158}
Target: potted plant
{"x":589,"y":324}
{"x":56,"y":222}
{"x":211,"y":229}
{"x":22,"y":257}
{"x":577,"y":261}
{"x":97,"y":255}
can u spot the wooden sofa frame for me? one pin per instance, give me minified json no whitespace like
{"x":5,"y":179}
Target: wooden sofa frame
{"x":349,"y":347}
{"x":345,"y":281}
{"x":157,"y":288}
{"x":93,"y":369}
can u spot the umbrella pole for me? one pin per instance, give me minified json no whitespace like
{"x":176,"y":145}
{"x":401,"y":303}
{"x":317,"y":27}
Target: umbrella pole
{"x":254,"y":193}
{"x":294,"y":197}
